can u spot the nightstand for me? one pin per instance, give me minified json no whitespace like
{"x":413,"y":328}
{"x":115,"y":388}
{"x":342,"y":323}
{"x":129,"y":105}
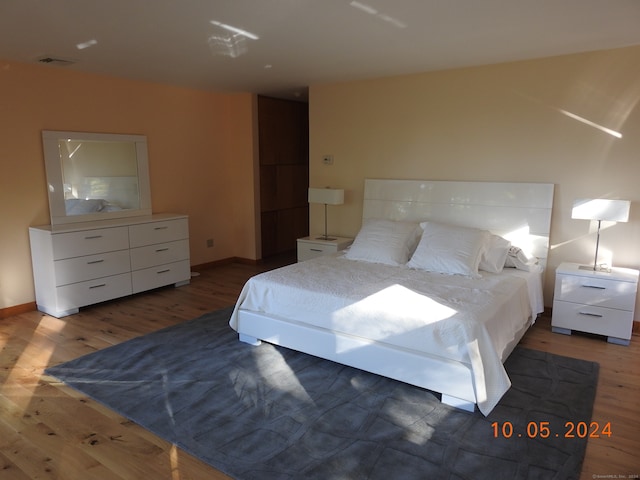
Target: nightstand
{"x":312,"y":247}
{"x":597,"y":302}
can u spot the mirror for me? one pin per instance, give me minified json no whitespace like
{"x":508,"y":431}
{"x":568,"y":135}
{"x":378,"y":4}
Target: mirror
{"x":96,"y":176}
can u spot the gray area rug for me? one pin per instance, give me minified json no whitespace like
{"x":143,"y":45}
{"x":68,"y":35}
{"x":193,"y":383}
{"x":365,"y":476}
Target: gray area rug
{"x":271,"y":413}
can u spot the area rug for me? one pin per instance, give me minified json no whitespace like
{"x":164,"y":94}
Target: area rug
{"x":271,"y":413}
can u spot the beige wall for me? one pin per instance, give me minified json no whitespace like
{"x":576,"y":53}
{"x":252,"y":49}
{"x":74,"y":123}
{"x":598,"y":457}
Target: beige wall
{"x":201,"y":157}
{"x":493,"y":123}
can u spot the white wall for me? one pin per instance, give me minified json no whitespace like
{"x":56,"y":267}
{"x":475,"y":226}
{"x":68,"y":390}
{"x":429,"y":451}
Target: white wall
{"x":201,"y":158}
{"x":494,"y":123}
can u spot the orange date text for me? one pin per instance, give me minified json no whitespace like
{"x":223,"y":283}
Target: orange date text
{"x":544,"y":430}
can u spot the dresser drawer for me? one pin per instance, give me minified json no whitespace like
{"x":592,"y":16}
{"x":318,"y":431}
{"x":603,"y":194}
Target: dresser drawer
{"x":160,"y":276}
{"x":93,"y":291}
{"x":596,"y":291}
{"x":88,"y":242}
{"x":592,"y":319}
{"x":158,"y":232}
{"x":80,"y":269}
{"x":152,"y":255}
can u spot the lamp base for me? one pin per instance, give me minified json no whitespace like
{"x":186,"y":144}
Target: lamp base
{"x":597,"y":268}
{"x":326,"y":238}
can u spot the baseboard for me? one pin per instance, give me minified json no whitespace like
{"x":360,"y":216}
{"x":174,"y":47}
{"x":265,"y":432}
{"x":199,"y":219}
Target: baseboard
{"x":216,"y":263}
{"x":17,"y":309}
{"x":223,"y":261}
{"x":286,"y":256}
{"x":246,"y":261}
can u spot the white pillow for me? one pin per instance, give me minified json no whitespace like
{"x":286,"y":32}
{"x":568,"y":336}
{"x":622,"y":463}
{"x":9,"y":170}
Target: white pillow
{"x":449,"y":249}
{"x":80,"y":206}
{"x":384,"y":241}
{"x":495,"y":255}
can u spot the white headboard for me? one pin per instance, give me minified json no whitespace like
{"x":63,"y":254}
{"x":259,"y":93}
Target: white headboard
{"x":519,"y":212}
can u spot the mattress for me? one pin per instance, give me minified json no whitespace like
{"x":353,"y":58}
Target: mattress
{"x":474,"y":321}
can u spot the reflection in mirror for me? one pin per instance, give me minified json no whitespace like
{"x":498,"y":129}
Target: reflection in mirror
{"x":98,"y":176}
{"x":95,"y":176}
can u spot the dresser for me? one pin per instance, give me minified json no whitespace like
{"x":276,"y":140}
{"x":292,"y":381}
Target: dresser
{"x":597,"y":302}
{"x":312,"y":247}
{"x":81,"y":264}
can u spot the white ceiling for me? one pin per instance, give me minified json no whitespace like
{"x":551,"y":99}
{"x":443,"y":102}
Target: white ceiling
{"x":304,"y":42}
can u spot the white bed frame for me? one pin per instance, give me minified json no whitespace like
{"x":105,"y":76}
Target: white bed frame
{"x":521,"y":212}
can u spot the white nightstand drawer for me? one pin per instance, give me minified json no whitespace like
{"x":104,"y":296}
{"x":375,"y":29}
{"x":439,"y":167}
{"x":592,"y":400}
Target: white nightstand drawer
{"x":311,"y":250}
{"x":158,"y":232}
{"x":592,"y":319}
{"x":312,"y":247}
{"x":88,"y":242}
{"x":596,"y":291}
{"x":80,"y":269}
{"x":151,"y":255}
{"x":93,"y":291}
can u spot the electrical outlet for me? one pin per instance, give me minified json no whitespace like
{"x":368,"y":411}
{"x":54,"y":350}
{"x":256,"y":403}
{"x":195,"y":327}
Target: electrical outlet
{"x":209,"y":242}
{"x":327,"y":159}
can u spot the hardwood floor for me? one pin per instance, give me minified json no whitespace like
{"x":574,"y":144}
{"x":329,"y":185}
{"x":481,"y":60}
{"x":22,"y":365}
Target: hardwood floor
{"x":49,"y":431}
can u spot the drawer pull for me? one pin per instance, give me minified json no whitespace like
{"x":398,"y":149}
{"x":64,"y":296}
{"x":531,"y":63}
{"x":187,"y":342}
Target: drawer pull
{"x":98,"y":286}
{"x":161,"y":250}
{"x":161,"y":228}
{"x":164,"y":271}
{"x":92,"y":262}
{"x":92,"y":237}
{"x":589,"y":314}
{"x":315,"y":249}
{"x":595,"y":286}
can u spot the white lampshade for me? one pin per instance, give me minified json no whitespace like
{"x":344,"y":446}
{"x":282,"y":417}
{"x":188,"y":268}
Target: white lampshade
{"x":601,"y":209}
{"x":328,"y":196}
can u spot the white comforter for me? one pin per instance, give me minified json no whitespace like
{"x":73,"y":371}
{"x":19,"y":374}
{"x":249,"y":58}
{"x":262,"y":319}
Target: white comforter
{"x":472,"y":321}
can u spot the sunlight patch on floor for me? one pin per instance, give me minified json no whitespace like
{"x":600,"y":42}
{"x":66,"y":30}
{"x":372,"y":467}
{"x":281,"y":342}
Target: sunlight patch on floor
{"x":175,"y":467}
{"x":38,"y":352}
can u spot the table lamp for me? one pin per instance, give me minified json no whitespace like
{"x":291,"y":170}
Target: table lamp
{"x":328,"y":196}
{"x":600,"y":209}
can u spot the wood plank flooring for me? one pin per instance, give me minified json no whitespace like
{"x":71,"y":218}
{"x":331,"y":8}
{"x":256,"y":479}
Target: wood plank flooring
{"x":49,"y":431}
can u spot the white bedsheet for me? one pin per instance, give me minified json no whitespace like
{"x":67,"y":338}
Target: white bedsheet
{"x":450,"y":316}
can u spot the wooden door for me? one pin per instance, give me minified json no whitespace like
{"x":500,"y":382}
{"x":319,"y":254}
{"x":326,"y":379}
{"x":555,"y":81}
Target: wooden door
{"x":283,"y":135}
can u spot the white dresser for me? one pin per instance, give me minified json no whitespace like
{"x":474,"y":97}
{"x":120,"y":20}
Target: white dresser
{"x":80,"y":264}
{"x":311,"y":247}
{"x":595,"y":302}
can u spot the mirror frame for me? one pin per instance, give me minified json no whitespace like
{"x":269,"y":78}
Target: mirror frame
{"x":55,"y":187}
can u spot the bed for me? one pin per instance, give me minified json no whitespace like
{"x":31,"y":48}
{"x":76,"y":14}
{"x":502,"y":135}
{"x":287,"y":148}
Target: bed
{"x":426,"y":294}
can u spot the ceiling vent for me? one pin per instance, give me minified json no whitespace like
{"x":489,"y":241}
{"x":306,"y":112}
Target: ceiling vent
{"x":60,"y":62}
